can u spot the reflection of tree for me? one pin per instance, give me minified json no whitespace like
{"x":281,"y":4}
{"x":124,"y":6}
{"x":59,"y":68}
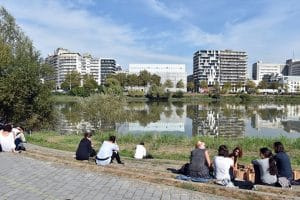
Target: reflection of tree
{"x":168,"y":111}
{"x":270,"y":114}
{"x":70,"y":112}
{"x":179,"y":112}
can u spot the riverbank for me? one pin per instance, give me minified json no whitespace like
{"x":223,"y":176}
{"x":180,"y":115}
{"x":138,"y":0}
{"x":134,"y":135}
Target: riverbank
{"x":171,"y":147}
{"x":196,"y":97}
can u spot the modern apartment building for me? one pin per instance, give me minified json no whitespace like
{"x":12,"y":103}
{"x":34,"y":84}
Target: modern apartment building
{"x":108,"y":66}
{"x":64,"y":62}
{"x":293,"y":67}
{"x":172,"y":72}
{"x":219,"y":66}
{"x":260,"y":69}
{"x":291,"y":83}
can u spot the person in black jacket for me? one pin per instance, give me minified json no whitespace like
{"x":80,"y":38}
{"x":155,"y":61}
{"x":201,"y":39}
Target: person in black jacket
{"x":85,"y":149}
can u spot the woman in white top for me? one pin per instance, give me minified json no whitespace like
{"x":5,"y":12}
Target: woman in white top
{"x":140,"y":151}
{"x":108,"y":152}
{"x":7,"y":139}
{"x":222,"y":164}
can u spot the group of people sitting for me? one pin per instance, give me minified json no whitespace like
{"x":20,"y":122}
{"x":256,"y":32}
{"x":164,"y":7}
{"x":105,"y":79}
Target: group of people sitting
{"x":12,"y":139}
{"x":108,"y":151}
{"x":269,"y":169}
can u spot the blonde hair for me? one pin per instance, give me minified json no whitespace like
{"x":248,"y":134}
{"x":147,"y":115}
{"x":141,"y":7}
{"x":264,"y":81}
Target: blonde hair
{"x":200,"y":145}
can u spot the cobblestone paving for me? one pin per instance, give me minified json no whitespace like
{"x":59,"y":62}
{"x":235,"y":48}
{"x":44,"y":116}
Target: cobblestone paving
{"x":26,"y":178}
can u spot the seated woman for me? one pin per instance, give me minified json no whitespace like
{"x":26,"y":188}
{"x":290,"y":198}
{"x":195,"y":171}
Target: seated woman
{"x":283,"y":162}
{"x":85,"y":149}
{"x":199,"y":162}
{"x":235,"y":155}
{"x":108,"y":152}
{"x":20,"y":139}
{"x":222,"y":164}
{"x":266,"y":166}
{"x":7,"y":140}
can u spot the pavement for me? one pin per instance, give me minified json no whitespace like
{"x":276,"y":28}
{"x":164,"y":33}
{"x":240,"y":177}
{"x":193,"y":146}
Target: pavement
{"x":23,"y":177}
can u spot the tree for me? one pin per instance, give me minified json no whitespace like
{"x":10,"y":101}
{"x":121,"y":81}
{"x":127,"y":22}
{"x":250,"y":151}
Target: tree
{"x":144,"y":78}
{"x":168,"y":84}
{"x":132,"y":80}
{"x":203,"y":84}
{"x":89,"y":83}
{"x":24,"y":98}
{"x":156,"y":91}
{"x":190,"y":86}
{"x":180,"y":84}
{"x":262,"y":85}
{"x":239,"y":85}
{"x":274,"y":85}
{"x":72,"y":80}
{"x":121,"y":77}
{"x":226,"y":88}
{"x":155,"y":79}
{"x":113,"y":87}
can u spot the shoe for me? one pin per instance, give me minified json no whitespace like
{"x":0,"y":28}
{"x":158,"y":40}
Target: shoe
{"x":121,"y":163}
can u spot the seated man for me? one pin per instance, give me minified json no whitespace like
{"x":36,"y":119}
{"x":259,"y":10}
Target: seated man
{"x":107,"y":152}
{"x":85,"y":149}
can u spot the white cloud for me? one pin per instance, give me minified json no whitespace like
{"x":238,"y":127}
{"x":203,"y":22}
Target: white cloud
{"x":53,"y":24}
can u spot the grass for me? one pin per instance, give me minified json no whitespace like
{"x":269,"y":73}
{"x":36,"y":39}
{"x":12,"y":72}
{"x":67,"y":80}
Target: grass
{"x":172,"y":147}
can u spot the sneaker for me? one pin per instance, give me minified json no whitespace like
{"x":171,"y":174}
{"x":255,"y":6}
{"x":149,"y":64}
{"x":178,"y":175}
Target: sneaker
{"x":121,"y":163}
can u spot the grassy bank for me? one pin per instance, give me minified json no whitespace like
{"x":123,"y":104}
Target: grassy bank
{"x":169,"y":146}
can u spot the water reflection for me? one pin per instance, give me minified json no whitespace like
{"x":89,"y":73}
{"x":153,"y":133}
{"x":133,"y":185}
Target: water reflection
{"x":209,"y":119}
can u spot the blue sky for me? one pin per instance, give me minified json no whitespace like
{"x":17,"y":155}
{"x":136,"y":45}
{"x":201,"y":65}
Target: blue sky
{"x":162,"y":31}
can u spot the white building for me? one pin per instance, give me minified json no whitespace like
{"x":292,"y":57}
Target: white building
{"x":64,"y":62}
{"x":292,"y":83}
{"x":260,"y":69}
{"x":173,"y":72}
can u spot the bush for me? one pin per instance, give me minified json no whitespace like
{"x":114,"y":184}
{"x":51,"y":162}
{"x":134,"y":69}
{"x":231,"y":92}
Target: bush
{"x":178,"y":94}
{"x":136,"y":93}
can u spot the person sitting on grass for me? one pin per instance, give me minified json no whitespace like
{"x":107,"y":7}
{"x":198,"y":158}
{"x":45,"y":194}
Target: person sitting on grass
{"x":266,"y":169}
{"x":7,"y":140}
{"x":283,"y":162}
{"x":235,"y":155}
{"x":140,"y":152}
{"x":108,"y":151}
{"x":222,"y":164}
{"x":85,"y":149}
{"x":199,"y":162}
{"x":20,"y":139}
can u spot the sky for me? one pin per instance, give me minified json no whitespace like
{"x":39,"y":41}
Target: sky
{"x":162,"y":31}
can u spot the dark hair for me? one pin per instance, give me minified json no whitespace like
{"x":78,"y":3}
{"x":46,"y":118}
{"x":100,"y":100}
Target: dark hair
{"x":87,"y":135}
{"x":7,"y":127}
{"x":112,"y":138}
{"x":21,"y":127}
{"x":142,"y":143}
{"x":272,"y":163}
{"x":223,"y":151}
{"x":278,"y":147}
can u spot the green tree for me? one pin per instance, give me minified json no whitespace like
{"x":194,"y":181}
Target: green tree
{"x":226,"y":88}
{"x":180,"y":84}
{"x":89,"y":83}
{"x":274,"y":85}
{"x":168,"y":84}
{"x":100,"y":109}
{"x":144,"y":78}
{"x":113,"y":87}
{"x":72,"y":80}
{"x":203,"y":84}
{"x":190,"y":86}
{"x":262,"y":85}
{"x":132,"y":80}
{"x":156,"y":91}
{"x":121,"y":77}
{"x":24,"y":98}
{"x":155,"y":79}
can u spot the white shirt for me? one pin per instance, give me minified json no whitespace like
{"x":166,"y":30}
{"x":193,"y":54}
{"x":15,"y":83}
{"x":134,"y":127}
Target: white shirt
{"x":222,"y":166}
{"x":106,"y":151}
{"x":7,"y":142}
{"x":140,"y":151}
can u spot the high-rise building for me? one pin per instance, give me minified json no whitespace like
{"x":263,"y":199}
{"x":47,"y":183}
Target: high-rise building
{"x":172,"y":72}
{"x":293,"y":67}
{"x":108,"y":66}
{"x":260,"y":69}
{"x":219,"y":66}
{"x":64,"y":62}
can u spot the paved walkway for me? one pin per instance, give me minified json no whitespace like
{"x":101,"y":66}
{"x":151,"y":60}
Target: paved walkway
{"x":26,"y":178}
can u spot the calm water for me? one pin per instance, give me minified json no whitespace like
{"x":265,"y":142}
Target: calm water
{"x":212,"y":119}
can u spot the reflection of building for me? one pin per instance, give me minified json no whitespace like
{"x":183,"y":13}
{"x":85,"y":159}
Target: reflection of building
{"x":216,"y":121}
{"x":172,"y":72}
{"x":166,"y":123}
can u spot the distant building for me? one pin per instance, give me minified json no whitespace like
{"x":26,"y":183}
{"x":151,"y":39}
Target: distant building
{"x":293,"y":67}
{"x":260,"y":69}
{"x":108,"y":66}
{"x":219,"y":66}
{"x":291,"y":83}
{"x":172,"y":72}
